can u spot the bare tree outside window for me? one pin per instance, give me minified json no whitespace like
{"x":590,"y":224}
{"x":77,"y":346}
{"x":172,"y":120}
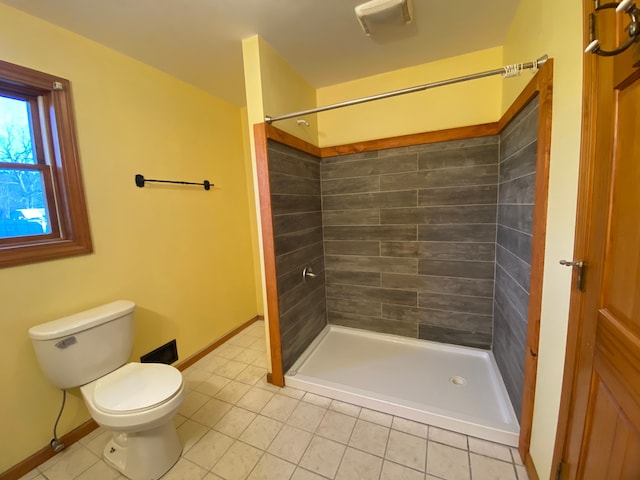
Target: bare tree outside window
{"x":23,"y":208}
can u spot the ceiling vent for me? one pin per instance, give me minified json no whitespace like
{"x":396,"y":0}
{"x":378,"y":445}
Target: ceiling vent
{"x":381,"y":15}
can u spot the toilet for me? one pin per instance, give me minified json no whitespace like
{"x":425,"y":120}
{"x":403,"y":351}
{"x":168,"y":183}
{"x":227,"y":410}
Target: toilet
{"x":135,"y":401}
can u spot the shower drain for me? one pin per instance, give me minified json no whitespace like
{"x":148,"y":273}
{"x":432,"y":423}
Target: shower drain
{"x":458,"y":381}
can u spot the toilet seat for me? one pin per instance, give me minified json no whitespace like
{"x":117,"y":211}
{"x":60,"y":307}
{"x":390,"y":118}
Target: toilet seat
{"x":136,"y":387}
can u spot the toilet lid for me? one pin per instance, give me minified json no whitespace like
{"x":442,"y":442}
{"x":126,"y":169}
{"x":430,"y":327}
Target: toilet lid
{"x":136,"y":386}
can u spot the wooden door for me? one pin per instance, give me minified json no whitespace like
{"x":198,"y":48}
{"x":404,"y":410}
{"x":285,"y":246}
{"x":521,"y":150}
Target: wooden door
{"x":599,"y":425}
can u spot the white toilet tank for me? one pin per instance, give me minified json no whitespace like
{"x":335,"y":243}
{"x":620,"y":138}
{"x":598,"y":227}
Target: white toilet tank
{"x":80,"y":348}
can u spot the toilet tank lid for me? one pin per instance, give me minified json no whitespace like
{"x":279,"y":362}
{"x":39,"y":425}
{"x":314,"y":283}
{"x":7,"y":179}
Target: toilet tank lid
{"x":81,"y":321}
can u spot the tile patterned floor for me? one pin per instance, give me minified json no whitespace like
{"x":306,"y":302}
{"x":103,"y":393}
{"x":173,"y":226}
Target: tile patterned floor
{"x":234,"y":426}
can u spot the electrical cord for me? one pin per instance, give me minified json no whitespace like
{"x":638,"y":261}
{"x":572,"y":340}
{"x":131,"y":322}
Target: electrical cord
{"x":56,"y":444}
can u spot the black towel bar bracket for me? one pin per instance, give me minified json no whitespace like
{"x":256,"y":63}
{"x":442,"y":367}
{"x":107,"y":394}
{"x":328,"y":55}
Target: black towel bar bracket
{"x":140,"y":181}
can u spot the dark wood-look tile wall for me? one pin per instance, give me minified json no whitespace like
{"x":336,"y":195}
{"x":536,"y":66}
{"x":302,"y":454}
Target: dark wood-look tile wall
{"x":430,"y":242}
{"x":513,"y":250}
{"x":296,"y":205}
{"x":409,"y":238}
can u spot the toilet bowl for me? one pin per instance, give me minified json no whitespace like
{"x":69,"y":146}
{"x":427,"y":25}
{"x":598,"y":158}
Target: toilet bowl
{"x":136,"y":396}
{"x":135,"y":401}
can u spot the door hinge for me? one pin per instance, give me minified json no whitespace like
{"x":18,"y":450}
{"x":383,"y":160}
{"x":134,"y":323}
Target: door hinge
{"x":559,"y":471}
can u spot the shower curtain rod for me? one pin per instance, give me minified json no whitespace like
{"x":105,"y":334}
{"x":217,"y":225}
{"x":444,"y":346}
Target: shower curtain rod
{"x":508,"y":71}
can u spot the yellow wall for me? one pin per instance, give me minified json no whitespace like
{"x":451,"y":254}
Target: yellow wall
{"x":253,"y":81}
{"x":457,"y":105}
{"x":555,"y":28}
{"x":284,"y":91}
{"x":254,"y":114}
{"x":182,"y":254}
{"x":272,"y":88}
{"x":252,"y":192}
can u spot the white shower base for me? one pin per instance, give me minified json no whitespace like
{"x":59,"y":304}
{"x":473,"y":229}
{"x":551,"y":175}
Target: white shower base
{"x":447,"y":386}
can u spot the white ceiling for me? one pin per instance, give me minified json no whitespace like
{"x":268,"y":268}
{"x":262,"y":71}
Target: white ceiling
{"x":199,"y":41}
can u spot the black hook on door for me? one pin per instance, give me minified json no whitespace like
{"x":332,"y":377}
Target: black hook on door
{"x":627,"y":6}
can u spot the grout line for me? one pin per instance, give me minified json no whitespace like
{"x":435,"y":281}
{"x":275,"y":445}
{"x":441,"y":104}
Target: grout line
{"x":517,"y":178}
{"x":514,"y":230}
{"x":516,"y":152}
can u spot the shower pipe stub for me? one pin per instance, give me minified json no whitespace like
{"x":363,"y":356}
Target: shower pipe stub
{"x":498,"y":71}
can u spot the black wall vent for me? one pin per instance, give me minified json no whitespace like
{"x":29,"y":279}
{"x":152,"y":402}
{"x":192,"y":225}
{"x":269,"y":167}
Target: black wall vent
{"x":167,"y":353}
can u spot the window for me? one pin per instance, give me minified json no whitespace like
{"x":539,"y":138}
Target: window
{"x":43,"y":212}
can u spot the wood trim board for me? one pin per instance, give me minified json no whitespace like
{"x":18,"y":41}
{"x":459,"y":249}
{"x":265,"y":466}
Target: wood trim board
{"x":45,"y":453}
{"x":542,"y":86}
{"x":187,"y":362}
{"x":261,"y":133}
{"x":459,"y":133}
{"x":285,"y":138}
{"x":530,"y":467}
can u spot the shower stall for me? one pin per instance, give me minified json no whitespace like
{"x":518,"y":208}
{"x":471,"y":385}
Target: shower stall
{"x":399,"y":273}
